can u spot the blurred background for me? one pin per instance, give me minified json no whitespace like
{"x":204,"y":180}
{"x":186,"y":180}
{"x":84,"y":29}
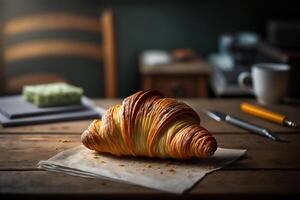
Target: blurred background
{"x":113,"y":48}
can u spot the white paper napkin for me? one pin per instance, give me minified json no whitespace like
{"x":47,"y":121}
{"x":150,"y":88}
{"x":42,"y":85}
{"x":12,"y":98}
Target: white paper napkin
{"x":174,"y":176}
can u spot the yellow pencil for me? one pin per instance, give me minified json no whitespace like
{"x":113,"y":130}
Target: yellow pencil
{"x":267,"y":115}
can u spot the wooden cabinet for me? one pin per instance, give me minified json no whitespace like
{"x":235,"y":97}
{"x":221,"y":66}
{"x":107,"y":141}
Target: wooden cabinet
{"x":184,"y":79}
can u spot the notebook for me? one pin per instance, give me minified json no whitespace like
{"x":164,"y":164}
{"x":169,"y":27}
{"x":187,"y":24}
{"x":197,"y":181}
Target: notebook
{"x":15,"y":111}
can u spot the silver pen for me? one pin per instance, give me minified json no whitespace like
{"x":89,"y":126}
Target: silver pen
{"x":219,"y":116}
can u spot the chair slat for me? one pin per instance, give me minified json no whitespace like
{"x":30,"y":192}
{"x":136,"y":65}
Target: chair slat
{"x":51,"y":21}
{"x":52,"y":47}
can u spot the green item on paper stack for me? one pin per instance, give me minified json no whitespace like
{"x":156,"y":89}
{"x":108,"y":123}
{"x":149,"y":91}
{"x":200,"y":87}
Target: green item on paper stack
{"x":53,"y":94}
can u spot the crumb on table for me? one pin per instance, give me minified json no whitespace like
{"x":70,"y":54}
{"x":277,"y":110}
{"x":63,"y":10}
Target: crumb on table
{"x":65,"y":141}
{"x":172,"y":170}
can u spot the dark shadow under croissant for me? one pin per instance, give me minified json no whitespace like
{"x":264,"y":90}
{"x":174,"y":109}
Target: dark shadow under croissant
{"x":148,"y":124}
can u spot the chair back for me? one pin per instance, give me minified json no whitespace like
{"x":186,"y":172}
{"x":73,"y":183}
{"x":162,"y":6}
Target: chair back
{"x":39,"y":46}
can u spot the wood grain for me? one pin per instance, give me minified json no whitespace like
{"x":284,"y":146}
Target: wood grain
{"x":202,"y":86}
{"x":52,"y":47}
{"x":177,"y":68}
{"x":269,"y":169}
{"x":225,"y":105}
{"x":176,"y":85}
{"x":179,"y":79}
{"x":62,"y":47}
{"x":220,"y":184}
{"x":25,"y":151}
{"x":50,"y":21}
{"x":109,"y":48}
{"x":232,"y":107}
{"x":2,"y":75}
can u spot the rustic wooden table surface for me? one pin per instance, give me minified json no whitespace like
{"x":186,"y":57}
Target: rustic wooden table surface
{"x":270,"y":169}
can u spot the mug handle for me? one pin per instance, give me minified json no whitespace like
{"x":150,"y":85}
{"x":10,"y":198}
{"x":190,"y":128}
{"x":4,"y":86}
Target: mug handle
{"x":242,"y":81}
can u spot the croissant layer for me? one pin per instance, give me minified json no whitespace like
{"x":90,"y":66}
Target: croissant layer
{"x":148,"y":124}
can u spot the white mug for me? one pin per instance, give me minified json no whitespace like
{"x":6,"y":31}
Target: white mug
{"x":269,"y":82}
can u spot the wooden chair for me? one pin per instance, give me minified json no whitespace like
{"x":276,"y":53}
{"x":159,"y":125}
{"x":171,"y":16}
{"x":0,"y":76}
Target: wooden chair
{"x":41,"y":48}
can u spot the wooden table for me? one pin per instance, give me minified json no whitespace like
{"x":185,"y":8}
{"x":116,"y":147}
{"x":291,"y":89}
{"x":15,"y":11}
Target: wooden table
{"x":177,"y":79}
{"x":270,"y":169}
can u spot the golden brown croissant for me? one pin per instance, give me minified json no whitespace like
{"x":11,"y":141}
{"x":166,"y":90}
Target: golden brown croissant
{"x":147,"y":124}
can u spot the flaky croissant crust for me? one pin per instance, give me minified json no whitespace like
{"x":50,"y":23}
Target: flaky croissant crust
{"x":148,"y":124}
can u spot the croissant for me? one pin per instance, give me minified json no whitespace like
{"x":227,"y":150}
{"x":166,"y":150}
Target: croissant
{"x":148,"y":124}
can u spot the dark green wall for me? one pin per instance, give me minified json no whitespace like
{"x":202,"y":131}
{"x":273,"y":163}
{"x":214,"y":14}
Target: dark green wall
{"x":143,"y":25}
